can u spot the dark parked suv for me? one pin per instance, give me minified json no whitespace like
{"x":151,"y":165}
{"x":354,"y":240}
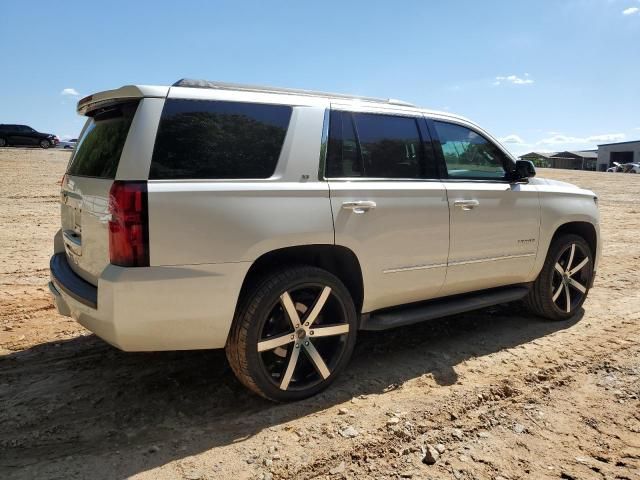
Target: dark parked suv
{"x":22,"y":135}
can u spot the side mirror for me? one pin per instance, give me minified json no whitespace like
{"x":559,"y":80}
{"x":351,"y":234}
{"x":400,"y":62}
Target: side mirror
{"x":524,"y":169}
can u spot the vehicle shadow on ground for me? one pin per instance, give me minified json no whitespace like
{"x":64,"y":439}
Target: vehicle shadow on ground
{"x":82,"y":406}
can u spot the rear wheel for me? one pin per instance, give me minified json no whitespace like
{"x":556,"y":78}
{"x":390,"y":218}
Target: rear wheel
{"x":3,"y":142}
{"x":293,"y":334}
{"x":563,"y":284}
{"x":45,"y":143}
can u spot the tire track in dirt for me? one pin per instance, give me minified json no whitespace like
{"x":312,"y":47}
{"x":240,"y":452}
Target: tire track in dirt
{"x":550,"y":387}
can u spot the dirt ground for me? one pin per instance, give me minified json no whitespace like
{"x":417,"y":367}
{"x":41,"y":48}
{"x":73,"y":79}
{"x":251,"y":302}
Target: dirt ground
{"x":495,"y":394}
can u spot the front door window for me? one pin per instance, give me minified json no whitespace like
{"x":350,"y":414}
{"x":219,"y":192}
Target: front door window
{"x":468,"y":155}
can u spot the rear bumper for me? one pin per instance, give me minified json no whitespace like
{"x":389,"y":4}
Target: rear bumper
{"x":152,"y":308}
{"x":74,"y":286}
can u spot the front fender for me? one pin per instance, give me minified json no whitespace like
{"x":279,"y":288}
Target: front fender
{"x":558,"y":209}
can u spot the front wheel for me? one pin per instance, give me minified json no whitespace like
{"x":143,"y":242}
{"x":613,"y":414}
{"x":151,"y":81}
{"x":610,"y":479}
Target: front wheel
{"x":45,"y":143}
{"x":563,"y":284}
{"x":293,"y":334}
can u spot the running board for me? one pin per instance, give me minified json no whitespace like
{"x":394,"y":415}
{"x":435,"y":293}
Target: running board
{"x":419,"y":312}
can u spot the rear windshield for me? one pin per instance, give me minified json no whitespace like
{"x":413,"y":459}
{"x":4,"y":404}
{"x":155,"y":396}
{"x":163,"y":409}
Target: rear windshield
{"x":99,"y":148}
{"x":200,"y":139}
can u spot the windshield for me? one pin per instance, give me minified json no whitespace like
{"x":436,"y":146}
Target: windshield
{"x":98,"y":150}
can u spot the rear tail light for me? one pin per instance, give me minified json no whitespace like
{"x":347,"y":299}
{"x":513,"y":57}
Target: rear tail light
{"x":129,"y":224}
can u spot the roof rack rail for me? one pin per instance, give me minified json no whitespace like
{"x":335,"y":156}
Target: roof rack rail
{"x":191,"y":83}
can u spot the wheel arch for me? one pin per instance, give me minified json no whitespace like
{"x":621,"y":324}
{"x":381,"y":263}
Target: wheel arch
{"x":540,"y":300}
{"x":585,"y":230}
{"x":336,"y":259}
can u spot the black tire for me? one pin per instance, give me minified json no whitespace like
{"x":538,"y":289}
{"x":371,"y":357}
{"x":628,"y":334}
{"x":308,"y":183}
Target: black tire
{"x":3,"y":142}
{"x":566,"y":287}
{"x":44,"y":143}
{"x":262,"y":316}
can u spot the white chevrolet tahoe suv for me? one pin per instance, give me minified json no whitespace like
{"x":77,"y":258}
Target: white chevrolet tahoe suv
{"x":278,"y":223}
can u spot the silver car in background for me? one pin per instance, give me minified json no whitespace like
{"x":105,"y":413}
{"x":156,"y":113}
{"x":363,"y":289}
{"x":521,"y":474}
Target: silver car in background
{"x":68,"y":144}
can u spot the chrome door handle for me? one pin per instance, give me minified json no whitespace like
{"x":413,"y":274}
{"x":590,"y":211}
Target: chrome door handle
{"x":360,"y":206}
{"x":466,"y":204}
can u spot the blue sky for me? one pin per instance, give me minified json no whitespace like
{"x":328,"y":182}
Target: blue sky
{"x":541,"y":75}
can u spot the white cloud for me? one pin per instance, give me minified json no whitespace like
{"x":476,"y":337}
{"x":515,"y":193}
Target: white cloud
{"x":69,"y":92}
{"x":593,"y":139}
{"x":513,"y":138}
{"x":631,"y":11}
{"x":514,"y":80}
{"x":518,"y":149}
{"x":609,"y":137}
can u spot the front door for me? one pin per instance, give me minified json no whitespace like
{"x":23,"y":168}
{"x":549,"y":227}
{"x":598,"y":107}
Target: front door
{"x":388,"y":206}
{"x":494,"y":223}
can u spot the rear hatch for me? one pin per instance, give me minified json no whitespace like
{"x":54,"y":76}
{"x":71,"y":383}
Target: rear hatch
{"x":86,"y":186}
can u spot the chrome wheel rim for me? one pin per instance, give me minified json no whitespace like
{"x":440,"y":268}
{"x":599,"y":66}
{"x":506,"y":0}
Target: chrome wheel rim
{"x":303,"y":337}
{"x":44,"y":144}
{"x":2,"y":142}
{"x":570,"y":279}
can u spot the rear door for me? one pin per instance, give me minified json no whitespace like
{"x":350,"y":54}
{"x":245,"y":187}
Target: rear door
{"x":14,"y":135}
{"x":388,"y":206}
{"x":85,"y":189}
{"x":24,"y":135}
{"x":495,"y":222}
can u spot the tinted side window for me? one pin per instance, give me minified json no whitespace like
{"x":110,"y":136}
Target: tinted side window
{"x":376,"y":146}
{"x":390,"y":146}
{"x":218,"y":140}
{"x":468,"y":154}
{"x":343,"y":154}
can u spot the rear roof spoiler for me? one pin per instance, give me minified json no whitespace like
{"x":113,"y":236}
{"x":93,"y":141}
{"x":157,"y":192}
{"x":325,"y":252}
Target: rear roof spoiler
{"x":128,"y":92}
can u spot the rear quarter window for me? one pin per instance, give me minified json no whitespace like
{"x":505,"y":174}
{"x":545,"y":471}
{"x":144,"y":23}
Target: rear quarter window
{"x":98,"y":150}
{"x":200,"y":139}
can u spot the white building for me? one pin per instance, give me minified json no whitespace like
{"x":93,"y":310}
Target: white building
{"x":622,"y":152}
